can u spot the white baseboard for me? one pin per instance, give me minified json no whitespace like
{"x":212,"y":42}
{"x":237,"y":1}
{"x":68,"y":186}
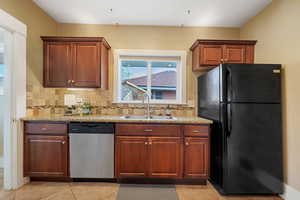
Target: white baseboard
{"x":1,"y":162}
{"x":290,"y":193}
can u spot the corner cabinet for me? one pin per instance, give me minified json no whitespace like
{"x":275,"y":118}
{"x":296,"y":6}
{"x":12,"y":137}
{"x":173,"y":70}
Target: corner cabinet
{"x":76,"y":62}
{"x":208,"y":54}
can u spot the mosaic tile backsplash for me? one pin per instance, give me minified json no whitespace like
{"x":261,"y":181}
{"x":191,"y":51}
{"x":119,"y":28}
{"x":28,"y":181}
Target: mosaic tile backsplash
{"x":46,"y":101}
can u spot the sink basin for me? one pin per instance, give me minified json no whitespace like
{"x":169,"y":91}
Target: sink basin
{"x":145,"y":117}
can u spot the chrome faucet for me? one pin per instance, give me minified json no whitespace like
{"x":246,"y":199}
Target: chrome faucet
{"x":144,"y":92}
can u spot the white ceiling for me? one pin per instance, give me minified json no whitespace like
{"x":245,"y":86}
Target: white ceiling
{"x":225,"y":13}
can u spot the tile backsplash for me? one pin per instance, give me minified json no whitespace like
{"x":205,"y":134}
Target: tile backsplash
{"x":45,"y":101}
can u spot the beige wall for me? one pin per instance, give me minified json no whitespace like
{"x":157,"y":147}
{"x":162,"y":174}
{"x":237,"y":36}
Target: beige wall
{"x":277,"y":30}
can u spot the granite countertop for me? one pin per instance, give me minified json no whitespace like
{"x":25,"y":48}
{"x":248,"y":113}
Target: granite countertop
{"x":99,"y":118}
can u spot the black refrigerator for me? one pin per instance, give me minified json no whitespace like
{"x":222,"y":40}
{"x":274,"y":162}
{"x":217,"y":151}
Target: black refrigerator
{"x":244,"y":102}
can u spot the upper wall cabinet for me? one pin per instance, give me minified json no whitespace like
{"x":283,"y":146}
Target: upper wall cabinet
{"x":76,"y":62}
{"x":210,"y":53}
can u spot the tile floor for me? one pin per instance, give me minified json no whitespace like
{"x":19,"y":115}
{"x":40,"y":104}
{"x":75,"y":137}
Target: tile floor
{"x":105,"y":191}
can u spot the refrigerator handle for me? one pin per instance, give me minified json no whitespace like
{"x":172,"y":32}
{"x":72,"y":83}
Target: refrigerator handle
{"x":229,"y":85}
{"x":229,"y":119}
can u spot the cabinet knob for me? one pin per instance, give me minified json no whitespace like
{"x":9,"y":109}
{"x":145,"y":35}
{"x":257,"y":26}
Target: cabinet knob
{"x":150,"y":143}
{"x":69,"y":81}
{"x":63,"y":142}
{"x":73,"y":81}
{"x":222,"y":60}
{"x":187,"y":144}
{"x":146,"y":143}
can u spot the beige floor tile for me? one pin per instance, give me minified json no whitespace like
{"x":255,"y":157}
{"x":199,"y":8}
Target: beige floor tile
{"x":7,"y":195}
{"x":208,"y":192}
{"x":39,"y":190}
{"x":62,"y":195}
{"x":95,"y":191}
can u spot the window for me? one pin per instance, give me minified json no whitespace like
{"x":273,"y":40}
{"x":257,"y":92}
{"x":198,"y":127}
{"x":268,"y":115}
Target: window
{"x":160,"y":73}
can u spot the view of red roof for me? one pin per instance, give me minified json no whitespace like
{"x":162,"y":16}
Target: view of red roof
{"x":161,"y":79}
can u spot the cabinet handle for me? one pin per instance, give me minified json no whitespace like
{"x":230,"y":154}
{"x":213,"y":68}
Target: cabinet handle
{"x":63,"y":142}
{"x":196,"y":131}
{"x":44,"y":129}
{"x":148,"y":130}
{"x":187,"y":144}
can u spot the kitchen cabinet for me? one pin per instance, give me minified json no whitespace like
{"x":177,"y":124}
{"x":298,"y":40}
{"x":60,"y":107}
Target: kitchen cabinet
{"x":76,"y":62}
{"x":207,"y":54}
{"x":196,"y":154}
{"x":131,"y":156}
{"x":169,"y":151}
{"x":155,"y":157}
{"x":165,"y":157}
{"x":46,"y":156}
{"x":46,"y":150}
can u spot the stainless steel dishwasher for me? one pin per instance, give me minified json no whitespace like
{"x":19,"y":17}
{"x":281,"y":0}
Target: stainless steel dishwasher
{"x":91,"y":150}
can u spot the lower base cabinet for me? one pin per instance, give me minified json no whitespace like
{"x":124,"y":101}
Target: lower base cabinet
{"x":196,"y":157}
{"x":156,"y":157}
{"x":148,"y":155}
{"x":46,"y":156}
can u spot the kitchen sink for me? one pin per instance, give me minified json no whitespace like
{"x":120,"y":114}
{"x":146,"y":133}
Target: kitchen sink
{"x":151,"y":117}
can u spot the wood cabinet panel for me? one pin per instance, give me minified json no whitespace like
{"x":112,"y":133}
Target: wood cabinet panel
{"x":234,"y":54}
{"x":46,"y":128}
{"x":57,"y":64}
{"x":165,"y":157}
{"x":131,"y":157}
{"x":148,"y":129}
{"x":86,"y":65}
{"x":76,"y":62}
{"x":211,"y":54}
{"x":196,"y":130}
{"x":196,"y":157}
{"x":46,"y":156}
{"x":208,"y":54}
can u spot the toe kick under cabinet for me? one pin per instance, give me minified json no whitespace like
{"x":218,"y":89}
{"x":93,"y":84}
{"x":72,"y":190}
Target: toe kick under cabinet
{"x":162,"y":151}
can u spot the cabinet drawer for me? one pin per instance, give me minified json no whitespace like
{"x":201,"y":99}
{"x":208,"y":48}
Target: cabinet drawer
{"x":148,"y":130}
{"x":46,"y":128}
{"x":196,"y":130}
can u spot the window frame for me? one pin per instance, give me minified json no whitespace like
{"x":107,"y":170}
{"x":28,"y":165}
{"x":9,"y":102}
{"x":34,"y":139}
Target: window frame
{"x":180,"y":71}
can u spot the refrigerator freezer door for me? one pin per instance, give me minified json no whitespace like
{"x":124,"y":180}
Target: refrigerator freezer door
{"x":251,"y":83}
{"x":254,"y":149}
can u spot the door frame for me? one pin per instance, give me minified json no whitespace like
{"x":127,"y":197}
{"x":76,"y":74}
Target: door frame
{"x":16,"y":101}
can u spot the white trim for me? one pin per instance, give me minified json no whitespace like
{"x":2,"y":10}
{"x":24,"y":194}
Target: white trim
{"x":290,"y":193}
{"x":12,"y":24}
{"x":16,"y":100}
{"x":1,"y":162}
{"x":181,"y":73}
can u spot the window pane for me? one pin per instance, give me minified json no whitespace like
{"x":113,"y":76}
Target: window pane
{"x":133,"y":71}
{"x":163,"y":80}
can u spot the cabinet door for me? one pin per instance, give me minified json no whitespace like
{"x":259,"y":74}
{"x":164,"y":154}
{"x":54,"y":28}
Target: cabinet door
{"x":46,"y":156}
{"x":196,"y":158}
{"x":211,"y":54}
{"x":57,"y":64}
{"x":165,"y":157}
{"x":131,"y":157}
{"x":234,"y":54}
{"x":86,"y":64}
